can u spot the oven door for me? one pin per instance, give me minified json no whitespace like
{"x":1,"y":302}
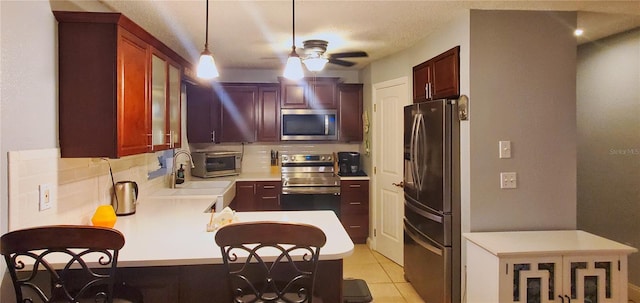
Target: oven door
{"x":311,"y":201}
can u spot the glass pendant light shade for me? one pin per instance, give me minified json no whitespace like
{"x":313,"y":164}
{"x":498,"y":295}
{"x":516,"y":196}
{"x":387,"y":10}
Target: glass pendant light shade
{"x":207,"y":66}
{"x":315,"y":64}
{"x":293,"y":69}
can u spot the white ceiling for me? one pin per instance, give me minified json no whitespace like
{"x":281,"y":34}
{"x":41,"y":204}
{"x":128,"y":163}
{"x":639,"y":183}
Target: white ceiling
{"x":256,"y":34}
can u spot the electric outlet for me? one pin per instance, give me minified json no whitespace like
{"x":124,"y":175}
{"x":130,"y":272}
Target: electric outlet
{"x":45,"y":201}
{"x":508,"y":180}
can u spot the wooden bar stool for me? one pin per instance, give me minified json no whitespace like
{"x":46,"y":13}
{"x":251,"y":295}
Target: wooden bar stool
{"x":271,"y":261}
{"x":65,"y":263}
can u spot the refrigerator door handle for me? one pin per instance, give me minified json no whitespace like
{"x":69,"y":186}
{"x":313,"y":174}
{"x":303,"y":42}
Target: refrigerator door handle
{"x":421,"y":168}
{"x":423,"y":213}
{"x":421,"y":240}
{"x":412,"y":152}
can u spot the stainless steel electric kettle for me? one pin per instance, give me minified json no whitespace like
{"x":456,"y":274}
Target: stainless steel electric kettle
{"x":125,"y":197}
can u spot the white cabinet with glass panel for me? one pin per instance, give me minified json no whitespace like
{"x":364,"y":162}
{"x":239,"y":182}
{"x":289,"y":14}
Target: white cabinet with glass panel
{"x":545,"y":266}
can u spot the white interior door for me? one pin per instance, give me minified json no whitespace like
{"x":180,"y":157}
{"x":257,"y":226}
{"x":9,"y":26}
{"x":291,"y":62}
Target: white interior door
{"x":389,"y":97}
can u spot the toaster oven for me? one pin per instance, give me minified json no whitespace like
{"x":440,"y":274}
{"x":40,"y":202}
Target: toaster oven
{"x":216,"y":164}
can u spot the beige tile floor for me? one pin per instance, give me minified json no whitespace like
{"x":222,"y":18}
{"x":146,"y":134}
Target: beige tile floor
{"x":384,"y":277}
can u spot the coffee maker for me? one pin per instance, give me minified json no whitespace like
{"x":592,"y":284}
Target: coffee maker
{"x":349,"y":163}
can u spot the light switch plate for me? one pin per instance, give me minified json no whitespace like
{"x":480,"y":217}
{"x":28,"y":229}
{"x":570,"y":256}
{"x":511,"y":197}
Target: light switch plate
{"x":505,"y":149}
{"x":508,"y":180}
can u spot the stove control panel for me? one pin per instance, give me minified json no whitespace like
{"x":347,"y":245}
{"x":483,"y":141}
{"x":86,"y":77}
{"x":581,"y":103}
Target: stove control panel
{"x":302,"y":158}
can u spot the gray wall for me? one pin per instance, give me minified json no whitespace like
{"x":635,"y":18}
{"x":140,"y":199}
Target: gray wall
{"x":518,"y":69}
{"x":523,"y":89}
{"x":608,"y":119}
{"x":29,"y":87}
{"x":398,"y":65}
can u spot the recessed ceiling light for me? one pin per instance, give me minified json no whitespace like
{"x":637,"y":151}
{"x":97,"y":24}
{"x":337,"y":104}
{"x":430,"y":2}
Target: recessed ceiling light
{"x":578,"y":32}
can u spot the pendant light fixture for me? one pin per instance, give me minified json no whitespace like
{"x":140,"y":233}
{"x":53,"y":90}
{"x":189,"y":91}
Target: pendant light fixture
{"x":293,"y":69}
{"x":207,"y":65}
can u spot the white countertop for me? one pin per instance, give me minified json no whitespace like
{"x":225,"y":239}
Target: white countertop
{"x":166,"y":232}
{"x":522,"y":243}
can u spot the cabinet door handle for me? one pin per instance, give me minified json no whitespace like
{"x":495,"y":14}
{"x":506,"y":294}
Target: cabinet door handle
{"x":426,"y":90}
{"x":354,"y":226}
{"x":568,"y":298}
{"x":150,"y":138}
{"x":170,"y":135}
{"x":354,"y":186}
{"x":561,"y":298}
{"x":213,"y":136}
{"x":269,"y":186}
{"x":269,"y":198}
{"x":355,"y":203}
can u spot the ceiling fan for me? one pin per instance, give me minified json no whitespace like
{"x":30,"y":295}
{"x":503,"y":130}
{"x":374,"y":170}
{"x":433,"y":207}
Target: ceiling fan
{"x":315,"y":50}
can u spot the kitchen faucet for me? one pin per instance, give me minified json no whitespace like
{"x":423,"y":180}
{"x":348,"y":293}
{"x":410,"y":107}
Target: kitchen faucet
{"x":173,"y":168}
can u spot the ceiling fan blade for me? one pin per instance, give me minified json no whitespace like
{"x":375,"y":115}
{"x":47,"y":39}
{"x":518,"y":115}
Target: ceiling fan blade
{"x":341,"y":62}
{"x":349,"y":55}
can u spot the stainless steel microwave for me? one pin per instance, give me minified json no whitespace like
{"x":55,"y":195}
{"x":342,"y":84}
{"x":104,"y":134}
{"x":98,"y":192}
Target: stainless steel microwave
{"x":216,"y":164}
{"x":308,"y":124}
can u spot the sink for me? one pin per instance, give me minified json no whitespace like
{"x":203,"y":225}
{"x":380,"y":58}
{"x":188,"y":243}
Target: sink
{"x":221,"y":193}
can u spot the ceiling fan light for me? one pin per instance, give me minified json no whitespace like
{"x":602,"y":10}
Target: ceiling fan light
{"x":293,"y":69}
{"x":207,"y":66}
{"x":315,"y":64}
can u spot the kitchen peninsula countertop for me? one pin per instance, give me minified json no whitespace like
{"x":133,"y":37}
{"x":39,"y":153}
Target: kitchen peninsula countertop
{"x":166,"y":232}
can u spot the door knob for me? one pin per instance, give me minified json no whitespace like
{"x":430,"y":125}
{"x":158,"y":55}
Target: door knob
{"x":401,"y":184}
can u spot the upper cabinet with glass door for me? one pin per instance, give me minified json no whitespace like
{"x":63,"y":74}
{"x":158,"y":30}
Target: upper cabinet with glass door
{"x":165,"y":103}
{"x":119,"y":87}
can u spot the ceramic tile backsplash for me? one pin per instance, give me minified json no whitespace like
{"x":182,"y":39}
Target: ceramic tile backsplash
{"x":78,"y":185}
{"x":257,"y":157}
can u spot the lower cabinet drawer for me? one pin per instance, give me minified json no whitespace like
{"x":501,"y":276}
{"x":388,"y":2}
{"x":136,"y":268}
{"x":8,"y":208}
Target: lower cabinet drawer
{"x":357,"y":226}
{"x":354,"y":207}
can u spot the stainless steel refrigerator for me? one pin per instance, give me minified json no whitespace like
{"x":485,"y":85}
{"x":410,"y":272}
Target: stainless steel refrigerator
{"x":432,"y":200}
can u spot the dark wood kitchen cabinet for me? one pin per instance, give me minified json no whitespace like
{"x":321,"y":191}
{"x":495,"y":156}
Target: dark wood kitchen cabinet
{"x":105,"y":88}
{"x":438,"y":77}
{"x":203,"y":114}
{"x":350,"y":110}
{"x":354,"y":209}
{"x":157,"y":284}
{"x":268,"y":195}
{"x":233,"y":112}
{"x":238,"y":119}
{"x":309,"y":93}
{"x":268,"y":112}
{"x":257,"y":196}
{"x":245,"y":196}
